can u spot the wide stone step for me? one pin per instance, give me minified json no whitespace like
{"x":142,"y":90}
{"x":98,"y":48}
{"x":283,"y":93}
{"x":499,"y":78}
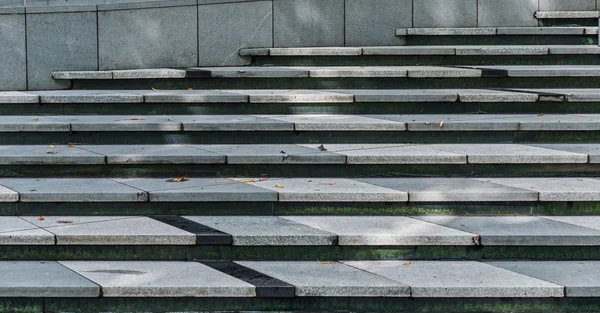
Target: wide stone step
{"x":567,"y":14}
{"x":498,"y":31}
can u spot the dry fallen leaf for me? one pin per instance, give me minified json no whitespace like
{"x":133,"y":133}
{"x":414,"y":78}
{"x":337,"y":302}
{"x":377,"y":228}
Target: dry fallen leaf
{"x":263,"y":179}
{"x":153,"y":88}
{"x":442,"y":124}
{"x":278,"y":186}
{"x":64,"y":222}
{"x":178,"y":179}
{"x":72,"y":146}
{"x":190,"y":88}
{"x":329,"y":183}
{"x":42,"y":218}
{"x":580,"y":115}
{"x":52,"y":146}
{"x":408,"y":263}
{"x":327,"y":262}
{"x":248,"y":180}
{"x":134,"y":119}
{"x":541,"y":114}
{"x":322,"y":148}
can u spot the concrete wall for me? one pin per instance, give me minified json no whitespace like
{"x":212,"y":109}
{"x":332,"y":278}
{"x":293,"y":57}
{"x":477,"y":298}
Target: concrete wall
{"x":121,"y":34}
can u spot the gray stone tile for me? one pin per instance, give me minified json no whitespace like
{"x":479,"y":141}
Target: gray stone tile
{"x":556,"y":122}
{"x":459,"y":279}
{"x":159,"y":73}
{"x":329,"y":190}
{"x":13,"y":62}
{"x":548,"y":70}
{"x":489,"y":31}
{"x":395,"y":154}
{"x":145,"y":4}
{"x":230,"y":123}
{"x":8,"y":195}
{"x":441,"y":72}
{"x":328,"y":279}
{"x":511,"y":154}
{"x":14,"y":123}
{"x":248,"y":52}
{"x":592,"y":222}
{"x":72,"y":190}
{"x":145,"y":38}
{"x":229,"y":27}
{"x":192,"y":96}
{"x":154,"y":154}
{"x":160,"y":279}
{"x":401,"y":95}
{"x":308,"y":23}
{"x":518,"y":230}
{"x":369,"y":22}
{"x":266,"y":231}
{"x":454,"y":122}
{"x":200,"y":190}
{"x":60,"y":41}
{"x":560,"y":5}
{"x":48,"y":154}
{"x":555,"y":189}
{"x":592,"y":150}
{"x":114,"y":230}
{"x":566,"y":14}
{"x":310,"y":122}
{"x":445,"y":13}
{"x":43,"y":279}
{"x":484,"y":95}
{"x":572,"y":49}
{"x":409,"y":50}
{"x":102,"y":123}
{"x":502,"y":50}
{"x":59,"y":8}
{"x":82,"y":74}
{"x":89,"y":96}
{"x":575,"y":95}
{"x":453,"y":189}
{"x":274,"y":154}
{"x":16,"y":231}
{"x":386,"y":231}
{"x":18,"y":97}
{"x":511,"y":13}
{"x":580,"y":278}
{"x":356,"y":71}
{"x":541,"y":30}
{"x":315,"y":51}
{"x":254,"y":72}
{"x":294,"y":96}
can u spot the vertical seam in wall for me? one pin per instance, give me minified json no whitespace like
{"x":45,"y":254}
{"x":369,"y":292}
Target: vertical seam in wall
{"x":26,"y":53}
{"x":197,"y":33}
{"x":344,"y":23}
{"x":272,"y":23}
{"x":477,"y":13}
{"x":412,"y":16}
{"x":97,"y":39}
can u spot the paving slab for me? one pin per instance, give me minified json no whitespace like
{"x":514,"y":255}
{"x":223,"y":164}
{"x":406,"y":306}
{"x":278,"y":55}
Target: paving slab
{"x":266,"y":231}
{"x":444,"y":31}
{"x":386,"y":231}
{"x":229,"y":123}
{"x":484,"y":95}
{"x":409,"y":50}
{"x":72,"y":190}
{"x":320,"y":122}
{"x":592,"y":222}
{"x":199,"y":190}
{"x":555,"y":189}
{"x":82,"y":74}
{"x":48,"y":154}
{"x":160,"y":279}
{"x":104,"y":123}
{"x":546,"y":70}
{"x":294,"y":96}
{"x":453,"y":189}
{"x":401,"y":95}
{"x":155,"y":73}
{"x":153,"y":154}
{"x":591,"y":150}
{"x":248,"y":52}
{"x":441,"y":72}
{"x":329,"y":190}
{"x":88,"y":96}
{"x":315,"y":51}
{"x":557,"y":30}
{"x":501,"y":50}
{"x":8,"y":195}
{"x":511,"y":154}
{"x":555,"y":122}
{"x":580,"y":278}
{"x":16,"y":231}
{"x":519,"y":230}
{"x":43,"y":279}
{"x":574,"y":95}
{"x":114,"y":230}
{"x":395,"y":154}
{"x":356,"y":71}
{"x":573,"y":49}
{"x":547,"y":14}
{"x":454,"y":122}
{"x":18,"y":97}
{"x":459,"y":279}
{"x":15,"y":123}
{"x":192,"y":96}
{"x":251,"y":72}
{"x":329,"y":279}
{"x":273,"y":154}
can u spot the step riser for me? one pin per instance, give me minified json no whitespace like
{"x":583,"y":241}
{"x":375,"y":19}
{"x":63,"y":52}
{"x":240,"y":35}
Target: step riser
{"x":548,"y":22}
{"x":502,"y":40}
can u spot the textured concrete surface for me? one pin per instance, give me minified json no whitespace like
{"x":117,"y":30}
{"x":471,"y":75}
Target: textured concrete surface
{"x":15,"y":123}
{"x":192,"y":96}
{"x":314,"y":122}
{"x":274,"y":154}
{"x":592,"y":150}
{"x":399,"y":95}
{"x":455,"y":122}
{"x":88,"y":96}
{"x":511,"y":153}
{"x":229,"y":123}
{"x":103,"y":123}
{"x":399,"y":154}
{"x":154,"y":154}
{"x":294,"y":96}
{"x":13,"y":50}
{"x":507,"y":13}
{"x":555,"y":189}
{"x":445,"y":13}
{"x":16,"y":231}
{"x":48,"y":154}
{"x":381,"y":16}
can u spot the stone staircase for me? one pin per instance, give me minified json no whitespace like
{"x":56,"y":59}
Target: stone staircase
{"x":457,"y":173}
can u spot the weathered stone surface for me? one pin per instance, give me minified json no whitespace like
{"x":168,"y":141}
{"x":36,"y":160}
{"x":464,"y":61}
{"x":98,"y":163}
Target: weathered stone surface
{"x":453,"y":189}
{"x":160,"y":279}
{"x":441,"y":72}
{"x":104,"y":123}
{"x":72,"y":190}
{"x":18,"y":97}
{"x":592,"y":222}
{"x":381,"y":16}
{"x":555,"y":189}
{"x":192,"y":96}
{"x":48,"y":154}
{"x":329,"y":190}
{"x":60,"y":41}
{"x":16,"y":231}
{"x":518,"y":230}
{"x":146,"y":38}
{"x":14,"y":123}
{"x":199,"y":190}
{"x":459,"y":279}
{"x":511,"y":13}
{"x":558,"y":122}
{"x":547,"y":70}
{"x":229,"y":123}
{"x":88,"y":96}
{"x":451,"y":31}
{"x":228,"y":27}
{"x":82,"y":74}
{"x":592,"y":150}
{"x":445,"y":13}
{"x":43,"y":279}
{"x":484,"y":95}
{"x":154,"y":154}
{"x":248,"y":52}
{"x":274,"y":154}
{"x":113,"y":230}
{"x":566,"y":14}
{"x":574,"y":95}
{"x":572,"y":49}
{"x":511,"y":153}
{"x":8,"y":195}
{"x":501,"y":50}
{"x":541,"y":30}
{"x":266,"y":231}
{"x":315,"y":51}
{"x":575,"y":5}
{"x":329,"y":279}
{"x":13,"y":50}
{"x":454,"y":122}
{"x":409,"y":50}
{"x":356,"y":71}
{"x":152,"y":73}
{"x":294,"y":96}
{"x":310,"y":122}
{"x":385,"y":230}
{"x":127,"y":4}
{"x":308,"y":23}
{"x":398,"y":154}
{"x":402,"y":95}
{"x":254,"y":72}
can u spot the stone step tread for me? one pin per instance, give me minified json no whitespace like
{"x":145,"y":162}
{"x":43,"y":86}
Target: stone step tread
{"x":398,"y":278}
{"x":431,"y":50}
{"x":543,"y":70}
{"x":365,"y":190}
{"x":566,"y":14}
{"x":318,"y":122}
{"x":493,"y":31}
{"x":301,"y":154}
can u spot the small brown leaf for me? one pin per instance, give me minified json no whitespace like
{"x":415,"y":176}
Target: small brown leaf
{"x":580,"y":115}
{"x":52,"y":146}
{"x":42,"y":218}
{"x":64,"y":222}
{"x":278,"y":186}
{"x":134,"y":119}
{"x":263,"y":179}
{"x":541,"y":114}
{"x":322,"y":147}
{"x":408,"y":263}
{"x":442,"y":124}
{"x":72,"y":146}
{"x":327,"y":262}
{"x":153,"y":88}
{"x":248,"y":180}
{"x":190,"y":88}
{"x":178,"y":179}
